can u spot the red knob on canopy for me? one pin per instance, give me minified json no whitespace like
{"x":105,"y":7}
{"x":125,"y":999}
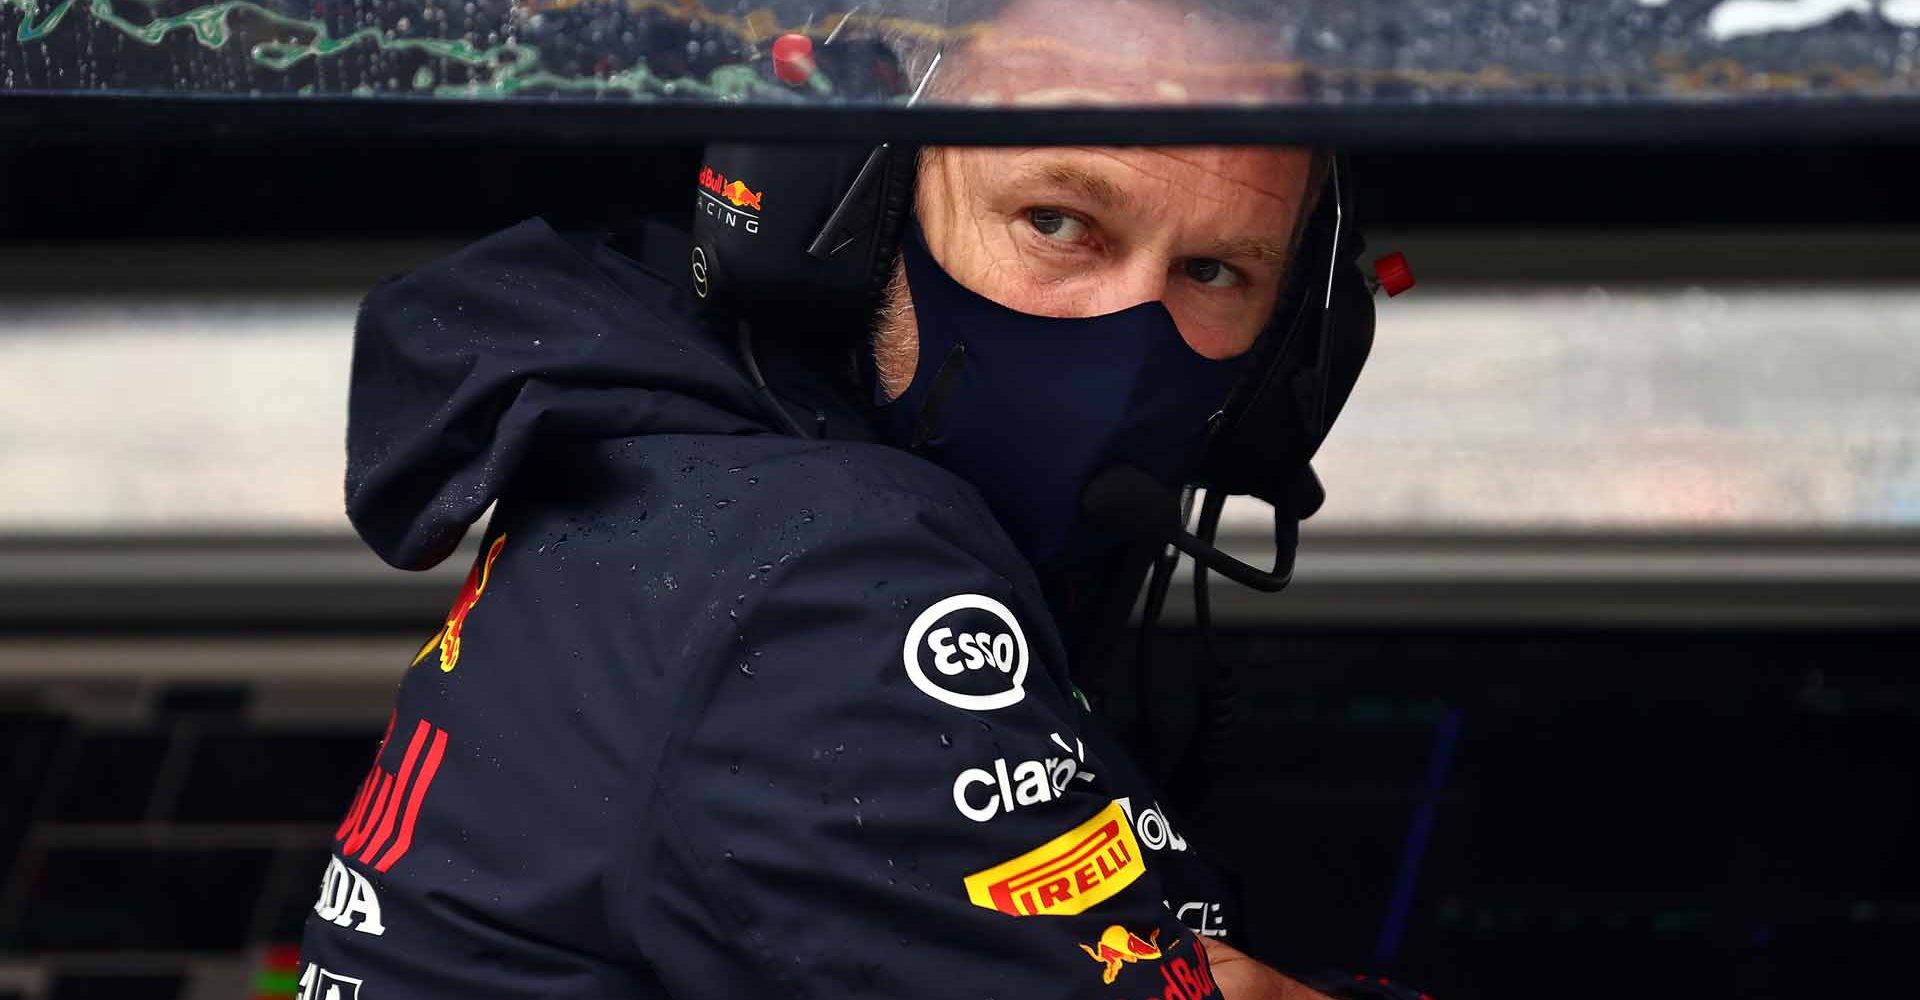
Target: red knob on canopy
{"x":793,"y":58}
{"x":1392,"y":272}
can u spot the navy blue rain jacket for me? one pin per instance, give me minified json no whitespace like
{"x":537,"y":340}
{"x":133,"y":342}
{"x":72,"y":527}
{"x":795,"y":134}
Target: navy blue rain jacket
{"x":720,"y":713}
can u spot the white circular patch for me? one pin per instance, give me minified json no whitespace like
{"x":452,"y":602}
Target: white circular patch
{"x":987,"y":667}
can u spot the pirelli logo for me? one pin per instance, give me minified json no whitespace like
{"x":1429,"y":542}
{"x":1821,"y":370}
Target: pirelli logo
{"x":1066,"y":875}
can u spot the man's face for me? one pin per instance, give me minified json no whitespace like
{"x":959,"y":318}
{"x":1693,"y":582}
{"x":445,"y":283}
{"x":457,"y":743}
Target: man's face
{"x":1077,"y":232}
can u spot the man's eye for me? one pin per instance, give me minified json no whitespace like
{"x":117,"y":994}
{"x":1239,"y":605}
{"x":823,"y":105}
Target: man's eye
{"x":1055,"y":224}
{"x":1208,"y":271}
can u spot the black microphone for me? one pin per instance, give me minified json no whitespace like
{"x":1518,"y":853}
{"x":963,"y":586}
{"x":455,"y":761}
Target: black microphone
{"x":1127,"y":502}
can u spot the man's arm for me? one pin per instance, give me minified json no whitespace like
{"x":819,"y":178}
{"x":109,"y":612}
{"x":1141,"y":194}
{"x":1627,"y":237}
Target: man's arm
{"x":839,"y":823}
{"x":1242,"y":977}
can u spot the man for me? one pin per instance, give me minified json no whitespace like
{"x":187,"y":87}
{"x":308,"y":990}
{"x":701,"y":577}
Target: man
{"x":734,"y":705}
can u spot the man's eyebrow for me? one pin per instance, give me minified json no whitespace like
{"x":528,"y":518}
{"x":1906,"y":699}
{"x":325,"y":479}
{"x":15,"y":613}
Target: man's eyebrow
{"x":1272,"y":251}
{"x":1102,"y":191}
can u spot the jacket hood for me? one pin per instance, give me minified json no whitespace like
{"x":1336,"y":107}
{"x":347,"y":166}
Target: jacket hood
{"x":462,"y":366}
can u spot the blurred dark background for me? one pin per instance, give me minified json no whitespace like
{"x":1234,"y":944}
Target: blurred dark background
{"x":1639,"y":747}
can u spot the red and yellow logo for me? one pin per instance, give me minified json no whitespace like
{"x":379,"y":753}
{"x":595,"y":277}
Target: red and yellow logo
{"x":1118,"y":945}
{"x":736,"y":192}
{"x":1066,"y":875}
{"x":447,"y":640}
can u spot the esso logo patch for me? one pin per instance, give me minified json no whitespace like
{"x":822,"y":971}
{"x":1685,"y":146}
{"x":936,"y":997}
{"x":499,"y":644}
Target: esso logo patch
{"x":967,"y":651}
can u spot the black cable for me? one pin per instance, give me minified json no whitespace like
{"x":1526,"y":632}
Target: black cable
{"x":759,"y":381}
{"x":1150,"y":612}
{"x":1219,"y":690}
{"x":1157,"y":587}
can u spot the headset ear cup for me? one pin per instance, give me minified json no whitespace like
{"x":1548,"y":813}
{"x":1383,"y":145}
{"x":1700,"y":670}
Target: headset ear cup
{"x":1277,"y":421}
{"x":813,"y":228}
{"x":1351,"y":343}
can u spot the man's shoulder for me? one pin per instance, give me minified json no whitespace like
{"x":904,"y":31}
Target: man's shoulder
{"x":861,"y":488}
{"x":704,"y":505}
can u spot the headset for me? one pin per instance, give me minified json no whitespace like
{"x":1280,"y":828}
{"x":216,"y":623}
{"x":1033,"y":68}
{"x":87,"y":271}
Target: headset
{"x":806,"y":238}
{"x":809,"y":235}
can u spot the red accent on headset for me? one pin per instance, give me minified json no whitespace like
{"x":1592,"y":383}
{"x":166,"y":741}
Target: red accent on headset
{"x":1393,"y":273}
{"x":793,"y":58}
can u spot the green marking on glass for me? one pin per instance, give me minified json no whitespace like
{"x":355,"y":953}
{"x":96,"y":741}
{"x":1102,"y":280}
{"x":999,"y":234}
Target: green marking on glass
{"x":497,"y":70}
{"x":29,"y":29}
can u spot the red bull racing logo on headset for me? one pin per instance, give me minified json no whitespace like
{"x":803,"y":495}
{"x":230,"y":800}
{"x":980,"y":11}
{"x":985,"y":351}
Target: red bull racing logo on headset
{"x":729,"y":202}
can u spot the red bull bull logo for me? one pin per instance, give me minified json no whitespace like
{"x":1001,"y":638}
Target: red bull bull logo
{"x":1119,"y":946}
{"x":447,"y":640}
{"x":741,"y":196}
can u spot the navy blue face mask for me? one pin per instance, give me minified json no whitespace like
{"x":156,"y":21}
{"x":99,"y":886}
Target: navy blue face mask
{"x":1028,"y":408}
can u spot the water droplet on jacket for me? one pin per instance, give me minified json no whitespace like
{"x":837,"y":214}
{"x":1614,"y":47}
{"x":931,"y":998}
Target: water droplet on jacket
{"x":727,"y":854}
{"x":719,"y":504}
{"x":752,"y":481}
{"x":856,"y":800}
{"x":746,"y":669}
{"x":765,"y":567}
{"x":842,"y":748}
{"x":733,"y":767}
{"x":945,"y":740}
{"x":857,"y":821}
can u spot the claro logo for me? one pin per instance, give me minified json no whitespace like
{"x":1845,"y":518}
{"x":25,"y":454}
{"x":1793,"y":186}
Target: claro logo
{"x":968,"y":651}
